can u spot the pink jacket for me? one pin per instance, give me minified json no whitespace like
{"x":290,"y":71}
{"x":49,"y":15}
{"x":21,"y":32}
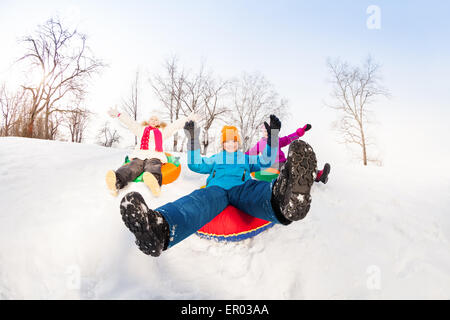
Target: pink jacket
{"x":282,"y":142}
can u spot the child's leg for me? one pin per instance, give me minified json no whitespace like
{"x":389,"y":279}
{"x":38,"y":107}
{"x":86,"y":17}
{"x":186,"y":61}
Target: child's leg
{"x":322,"y":175}
{"x":285,"y":199}
{"x":154,"y":167}
{"x":128,"y":172}
{"x":254,"y":198}
{"x":189,"y":213}
{"x":116,"y":180}
{"x":291,"y":191}
{"x":152,"y":175}
{"x":148,"y":226}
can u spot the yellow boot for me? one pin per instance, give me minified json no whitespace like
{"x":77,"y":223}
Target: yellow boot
{"x":111,"y":182}
{"x":152,"y":183}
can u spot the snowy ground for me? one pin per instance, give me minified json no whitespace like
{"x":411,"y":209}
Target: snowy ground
{"x":375,"y":232}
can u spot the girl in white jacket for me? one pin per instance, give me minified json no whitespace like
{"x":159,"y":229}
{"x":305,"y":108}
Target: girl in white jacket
{"x":148,"y":156}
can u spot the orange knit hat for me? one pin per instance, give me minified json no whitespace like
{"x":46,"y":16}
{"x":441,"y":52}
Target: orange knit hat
{"x":230,"y":133}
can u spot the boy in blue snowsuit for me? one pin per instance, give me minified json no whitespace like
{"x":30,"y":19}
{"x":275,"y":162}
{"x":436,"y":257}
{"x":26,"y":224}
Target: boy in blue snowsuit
{"x":283,"y":200}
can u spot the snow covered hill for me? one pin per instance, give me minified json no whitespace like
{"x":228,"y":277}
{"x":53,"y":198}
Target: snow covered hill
{"x":375,"y":232}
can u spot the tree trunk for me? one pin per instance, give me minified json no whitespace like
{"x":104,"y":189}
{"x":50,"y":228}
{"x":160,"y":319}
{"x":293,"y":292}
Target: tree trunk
{"x":205,"y":142}
{"x":363,"y":145}
{"x":175,"y":141}
{"x":364,"y":154}
{"x":46,"y":127}
{"x":29,"y":129}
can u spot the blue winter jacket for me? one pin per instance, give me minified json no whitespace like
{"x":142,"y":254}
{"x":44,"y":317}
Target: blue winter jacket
{"x":226,"y":169}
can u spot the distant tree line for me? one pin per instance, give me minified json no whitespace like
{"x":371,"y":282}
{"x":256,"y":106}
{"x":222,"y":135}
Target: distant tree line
{"x":58,"y":64}
{"x":245,"y":101}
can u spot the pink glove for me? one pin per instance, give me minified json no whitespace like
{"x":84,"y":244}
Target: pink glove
{"x":301,"y":131}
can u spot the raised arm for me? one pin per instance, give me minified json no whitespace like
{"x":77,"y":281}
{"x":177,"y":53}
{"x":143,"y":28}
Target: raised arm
{"x":255,"y":150}
{"x":265,"y":160}
{"x":269,"y":155}
{"x":177,"y":125}
{"x":200,"y":164}
{"x":196,"y":162}
{"x":132,"y":125}
{"x":284,"y":141}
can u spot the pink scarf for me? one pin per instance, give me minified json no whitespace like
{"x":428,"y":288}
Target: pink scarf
{"x":146,"y":136}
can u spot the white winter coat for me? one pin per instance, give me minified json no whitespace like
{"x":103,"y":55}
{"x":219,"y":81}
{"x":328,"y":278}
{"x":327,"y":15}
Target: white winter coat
{"x":138,"y":131}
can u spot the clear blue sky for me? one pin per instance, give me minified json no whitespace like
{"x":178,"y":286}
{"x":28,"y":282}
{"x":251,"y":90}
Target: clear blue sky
{"x":287,"y":41}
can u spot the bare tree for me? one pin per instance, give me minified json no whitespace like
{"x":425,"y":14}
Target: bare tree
{"x":194,"y":91}
{"x":60,"y":64}
{"x":131,"y":104}
{"x":253,"y":99}
{"x":355,"y":88}
{"x":10,"y":105}
{"x":76,"y":121}
{"x":107,"y":137}
{"x":52,"y":123}
{"x":39,"y":127}
{"x":169,"y":88}
{"x":205,"y":95}
{"x":19,"y":127}
{"x":214,"y":94}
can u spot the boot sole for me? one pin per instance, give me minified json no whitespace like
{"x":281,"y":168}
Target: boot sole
{"x":151,"y":182}
{"x":111,"y":182}
{"x":139,"y":219}
{"x":301,"y":166}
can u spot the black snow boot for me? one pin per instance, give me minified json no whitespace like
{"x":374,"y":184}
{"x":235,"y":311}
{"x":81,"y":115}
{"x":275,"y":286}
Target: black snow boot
{"x":322,"y":176}
{"x":149,"y":227}
{"x":291,"y":197}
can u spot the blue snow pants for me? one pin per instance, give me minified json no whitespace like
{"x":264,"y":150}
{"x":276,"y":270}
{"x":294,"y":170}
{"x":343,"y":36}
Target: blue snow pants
{"x":188,"y":214}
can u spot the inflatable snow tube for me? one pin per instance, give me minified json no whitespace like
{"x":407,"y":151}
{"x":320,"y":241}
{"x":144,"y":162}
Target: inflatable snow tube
{"x":233,"y":224}
{"x":266,"y":175}
{"x":170,"y":170}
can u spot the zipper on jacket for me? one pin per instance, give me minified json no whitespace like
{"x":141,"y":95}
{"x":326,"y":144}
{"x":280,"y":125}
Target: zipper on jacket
{"x":243,"y":176}
{"x":214,"y":173}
